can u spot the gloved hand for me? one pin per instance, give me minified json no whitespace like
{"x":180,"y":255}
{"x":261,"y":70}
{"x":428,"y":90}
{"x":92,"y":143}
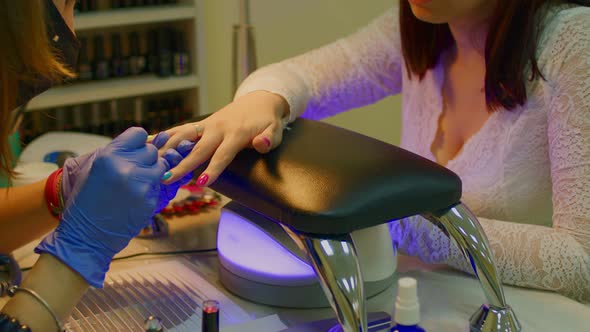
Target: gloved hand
{"x":173,"y":157}
{"x":75,"y":170}
{"x":116,"y":200}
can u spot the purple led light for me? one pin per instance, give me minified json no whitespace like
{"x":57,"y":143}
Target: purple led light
{"x":247,"y":251}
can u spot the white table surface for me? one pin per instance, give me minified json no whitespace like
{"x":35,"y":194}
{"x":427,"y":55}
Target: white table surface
{"x":447,"y":298}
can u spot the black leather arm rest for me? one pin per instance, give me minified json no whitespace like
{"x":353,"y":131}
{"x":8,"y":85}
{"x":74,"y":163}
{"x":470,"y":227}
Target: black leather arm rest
{"x":327,"y":180}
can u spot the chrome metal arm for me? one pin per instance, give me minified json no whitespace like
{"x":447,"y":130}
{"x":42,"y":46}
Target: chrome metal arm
{"x":335,"y":262}
{"x":463,"y":228}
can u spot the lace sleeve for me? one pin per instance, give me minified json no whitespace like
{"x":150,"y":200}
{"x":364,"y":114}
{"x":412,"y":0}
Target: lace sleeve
{"x":556,"y":258}
{"x":354,"y":71}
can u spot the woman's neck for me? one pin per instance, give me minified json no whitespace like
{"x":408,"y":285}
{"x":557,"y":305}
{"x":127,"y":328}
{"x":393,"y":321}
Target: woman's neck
{"x":470,"y":38}
{"x":470,"y":32}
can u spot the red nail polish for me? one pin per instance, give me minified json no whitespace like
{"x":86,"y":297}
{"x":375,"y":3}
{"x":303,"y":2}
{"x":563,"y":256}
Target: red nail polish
{"x":267,"y":141}
{"x":202,"y":180}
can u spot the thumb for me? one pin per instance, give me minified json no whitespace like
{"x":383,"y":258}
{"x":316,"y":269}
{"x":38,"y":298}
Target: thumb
{"x":269,"y":139}
{"x":131,"y":139}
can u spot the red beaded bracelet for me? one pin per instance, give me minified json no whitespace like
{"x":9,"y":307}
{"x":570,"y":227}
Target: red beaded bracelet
{"x":53,"y":193}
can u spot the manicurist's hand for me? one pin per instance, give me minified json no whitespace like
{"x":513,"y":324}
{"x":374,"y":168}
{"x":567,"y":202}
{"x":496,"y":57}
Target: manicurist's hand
{"x":116,"y":200}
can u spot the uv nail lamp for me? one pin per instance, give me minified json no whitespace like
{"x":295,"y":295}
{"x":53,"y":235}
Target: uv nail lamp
{"x":260,"y":262}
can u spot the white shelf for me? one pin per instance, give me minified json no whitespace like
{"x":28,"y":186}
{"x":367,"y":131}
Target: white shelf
{"x":133,"y":16}
{"x":82,"y":93}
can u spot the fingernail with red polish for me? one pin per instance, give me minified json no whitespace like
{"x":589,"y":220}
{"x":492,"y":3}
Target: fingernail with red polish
{"x":202,"y":180}
{"x":267,"y":141}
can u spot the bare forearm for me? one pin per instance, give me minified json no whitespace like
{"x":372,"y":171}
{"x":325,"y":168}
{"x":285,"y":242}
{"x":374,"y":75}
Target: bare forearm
{"x":57,"y":284}
{"x":23,"y":215}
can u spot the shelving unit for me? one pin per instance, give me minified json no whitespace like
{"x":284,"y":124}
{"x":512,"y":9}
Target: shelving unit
{"x":185,"y":15}
{"x":84,"y":93}
{"x":134,"y":16}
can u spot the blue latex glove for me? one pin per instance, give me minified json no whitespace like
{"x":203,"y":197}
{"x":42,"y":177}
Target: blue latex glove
{"x":116,"y":201}
{"x":173,"y":157}
{"x":76,"y":169}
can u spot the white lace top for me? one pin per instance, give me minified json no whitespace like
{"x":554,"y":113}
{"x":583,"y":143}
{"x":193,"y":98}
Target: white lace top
{"x":526,"y":173}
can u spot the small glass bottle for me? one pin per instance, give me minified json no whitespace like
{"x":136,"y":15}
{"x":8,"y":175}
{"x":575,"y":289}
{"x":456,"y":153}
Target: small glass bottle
{"x":119,"y":62}
{"x":84,"y":64}
{"x":407,"y":307}
{"x":101,"y":64}
{"x":137,"y":61}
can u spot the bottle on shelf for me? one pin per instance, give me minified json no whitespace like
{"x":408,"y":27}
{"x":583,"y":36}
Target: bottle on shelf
{"x":137,"y":61}
{"x":119,"y":62}
{"x":132,"y":3}
{"x":84,"y":69}
{"x":153,"y":60}
{"x":176,"y":110}
{"x":153,"y":118}
{"x":181,"y":58}
{"x":101,"y":65}
{"x":165,"y":111}
{"x":60,"y":119}
{"x":87,"y":6}
{"x":78,"y":119}
{"x":39,"y":126}
{"x":115,"y":4}
{"x":114,"y":121}
{"x":96,"y":124}
{"x":164,"y":52}
{"x":138,"y":113}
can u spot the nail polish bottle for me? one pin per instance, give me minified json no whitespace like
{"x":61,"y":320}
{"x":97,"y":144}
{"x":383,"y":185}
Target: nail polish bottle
{"x":83,"y":6}
{"x":188,"y":112}
{"x":176,"y":110}
{"x":153,"y":61}
{"x":137,"y":62}
{"x":84,"y":64}
{"x":37,"y":125}
{"x":210,"y":316}
{"x":95,"y":119}
{"x":114,"y":119}
{"x":407,"y":307}
{"x":165,"y":109}
{"x":87,"y":6}
{"x":116,"y":4}
{"x":153,"y":118}
{"x":77,"y":121}
{"x":119,"y":63}
{"x":138,"y":118}
{"x":181,"y":58}
{"x":92,"y":5}
{"x":60,"y":119}
{"x":101,"y":65}
{"x":164,"y":53}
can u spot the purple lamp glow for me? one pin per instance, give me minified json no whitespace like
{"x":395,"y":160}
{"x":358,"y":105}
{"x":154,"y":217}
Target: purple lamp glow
{"x":247,"y":251}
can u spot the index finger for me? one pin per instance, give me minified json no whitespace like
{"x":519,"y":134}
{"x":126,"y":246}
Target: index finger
{"x":200,"y":154}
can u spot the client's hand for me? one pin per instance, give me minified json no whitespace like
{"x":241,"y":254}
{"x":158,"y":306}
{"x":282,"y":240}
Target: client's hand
{"x":253,"y":120}
{"x":110,"y":207}
{"x":75,"y":170}
{"x":173,"y":157}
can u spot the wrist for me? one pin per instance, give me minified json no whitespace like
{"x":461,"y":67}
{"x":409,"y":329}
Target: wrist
{"x":53,"y":193}
{"x":277,"y":102}
{"x":79,"y":252}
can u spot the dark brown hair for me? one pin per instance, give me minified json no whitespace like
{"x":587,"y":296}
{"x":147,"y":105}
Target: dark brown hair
{"x":509,"y":49}
{"x":25,"y":56}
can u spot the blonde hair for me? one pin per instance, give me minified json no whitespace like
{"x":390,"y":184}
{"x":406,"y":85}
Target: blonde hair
{"x":26,"y":56}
